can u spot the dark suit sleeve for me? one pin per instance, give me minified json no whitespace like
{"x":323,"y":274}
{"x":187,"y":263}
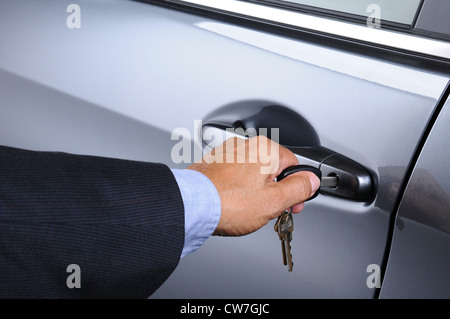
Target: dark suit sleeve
{"x":121,"y":222}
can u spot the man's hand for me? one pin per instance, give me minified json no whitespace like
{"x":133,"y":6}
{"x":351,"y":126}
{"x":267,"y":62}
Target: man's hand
{"x":249,"y":196}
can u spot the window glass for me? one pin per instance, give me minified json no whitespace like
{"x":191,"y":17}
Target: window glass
{"x":400,"y":11}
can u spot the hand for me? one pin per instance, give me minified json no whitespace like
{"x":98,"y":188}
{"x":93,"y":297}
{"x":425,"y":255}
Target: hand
{"x":243,"y":172}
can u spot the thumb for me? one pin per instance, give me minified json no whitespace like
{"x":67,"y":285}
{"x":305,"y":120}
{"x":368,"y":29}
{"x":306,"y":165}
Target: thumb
{"x":298,"y":187}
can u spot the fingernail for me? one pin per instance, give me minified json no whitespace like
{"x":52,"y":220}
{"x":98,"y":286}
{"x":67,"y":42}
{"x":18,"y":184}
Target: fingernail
{"x":315,"y":183}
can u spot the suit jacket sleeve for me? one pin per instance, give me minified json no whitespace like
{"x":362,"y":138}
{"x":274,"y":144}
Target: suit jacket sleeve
{"x":121,"y":222}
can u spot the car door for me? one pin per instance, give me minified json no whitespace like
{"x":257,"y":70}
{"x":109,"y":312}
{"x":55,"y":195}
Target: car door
{"x":131,"y":76}
{"x":418,"y":260}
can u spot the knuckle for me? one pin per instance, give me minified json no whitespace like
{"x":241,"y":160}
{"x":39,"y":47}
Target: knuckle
{"x":299,"y":189}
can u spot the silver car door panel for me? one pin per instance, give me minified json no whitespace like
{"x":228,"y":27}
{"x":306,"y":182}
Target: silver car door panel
{"x":154,"y":70}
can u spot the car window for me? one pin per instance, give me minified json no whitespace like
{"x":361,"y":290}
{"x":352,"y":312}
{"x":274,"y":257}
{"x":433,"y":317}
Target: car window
{"x":398,"y":11}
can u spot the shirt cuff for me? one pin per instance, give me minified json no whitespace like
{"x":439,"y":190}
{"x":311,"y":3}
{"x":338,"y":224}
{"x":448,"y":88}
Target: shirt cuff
{"x":201,"y":208}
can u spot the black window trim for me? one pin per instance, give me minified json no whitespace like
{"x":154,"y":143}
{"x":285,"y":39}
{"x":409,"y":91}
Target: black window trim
{"x":393,"y":43}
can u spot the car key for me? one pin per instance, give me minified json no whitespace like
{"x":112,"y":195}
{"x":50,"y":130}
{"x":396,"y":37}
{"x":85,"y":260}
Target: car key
{"x":325,"y":181}
{"x":284,"y":227}
{"x":281,"y":237}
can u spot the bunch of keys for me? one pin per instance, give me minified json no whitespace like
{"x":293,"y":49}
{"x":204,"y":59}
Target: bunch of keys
{"x":284,"y":225}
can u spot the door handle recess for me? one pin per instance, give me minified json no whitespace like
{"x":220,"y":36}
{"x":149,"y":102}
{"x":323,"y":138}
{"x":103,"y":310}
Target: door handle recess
{"x":296,"y":134}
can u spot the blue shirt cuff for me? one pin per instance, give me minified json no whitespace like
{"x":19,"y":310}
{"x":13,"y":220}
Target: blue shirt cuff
{"x":201,"y":207}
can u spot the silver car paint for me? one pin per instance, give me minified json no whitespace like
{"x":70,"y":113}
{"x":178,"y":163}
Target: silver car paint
{"x":133,"y":72}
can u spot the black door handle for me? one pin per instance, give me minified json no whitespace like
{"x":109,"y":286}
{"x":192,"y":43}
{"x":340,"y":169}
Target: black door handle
{"x":296,"y":134}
